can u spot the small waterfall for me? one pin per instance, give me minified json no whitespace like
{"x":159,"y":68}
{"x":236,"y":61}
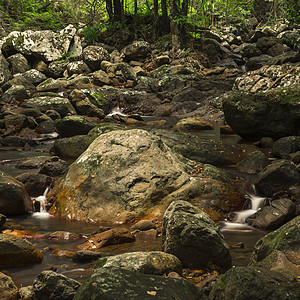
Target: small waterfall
{"x":116,"y":111}
{"x":42,"y":200}
{"x":239,"y":221}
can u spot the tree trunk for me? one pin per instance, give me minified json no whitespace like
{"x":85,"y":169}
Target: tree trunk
{"x":155,"y":8}
{"x":118,"y":10}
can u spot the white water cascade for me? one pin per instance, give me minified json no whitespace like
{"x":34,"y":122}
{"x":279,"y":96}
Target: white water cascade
{"x":239,"y":221}
{"x":42,"y":200}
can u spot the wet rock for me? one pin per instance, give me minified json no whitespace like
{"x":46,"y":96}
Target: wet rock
{"x":272,"y":217}
{"x":277,"y":176}
{"x":35,"y":184}
{"x":74,"y":125}
{"x":192,"y":124}
{"x":14,"y":199}
{"x":94,"y":55}
{"x":45,"y":127}
{"x":131,"y":180}
{"x":280,"y":250}
{"x":17,"y":121}
{"x":62,"y":253}
{"x":266,"y":142}
{"x":8,"y":290}
{"x":249,"y":115}
{"x":136,"y":50}
{"x":4,"y":70}
{"x":190,"y":234}
{"x":250,"y":283}
{"x":31,"y":162}
{"x":15,"y":251}
{"x":54,"y":168}
{"x":143,"y":225}
{"x":114,"y":283}
{"x":54,"y":286}
{"x":285,"y":146}
{"x":100,"y":78}
{"x":27,"y":293}
{"x":44,"y":103}
{"x":16,"y":141}
{"x":86,"y":108}
{"x":47,"y":44}
{"x":18,"y":63}
{"x":154,"y":262}
{"x":253,"y":163}
{"x":265,"y":43}
{"x":85,"y":256}
{"x":107,"y":238}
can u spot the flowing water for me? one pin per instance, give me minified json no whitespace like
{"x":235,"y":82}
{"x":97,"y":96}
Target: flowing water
{"x":41,"y":223}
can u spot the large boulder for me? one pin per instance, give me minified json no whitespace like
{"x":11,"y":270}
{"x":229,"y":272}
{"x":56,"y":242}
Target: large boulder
{"x":249,"y":283}
{"x":121,"y":176}
{"x":8,"y":290}
{"x":193,"y":237}
{"x":253,"y":163}
{"x":19,"y":63}
{"x":277,"y":176}
{"x":94,"y":55}
{"x":137,"y":50}
{"x":280,"y":250}
{"x":15,"y":251}
{"x":14,"y":199}
{"x":154,"y":262}
{"x":46,"y":44}
{"x":274,"y":113}
{"x":54,"y":286}
{"x":117,"y":283}
{"x":4,"y":70}
{"x":285,"y":146}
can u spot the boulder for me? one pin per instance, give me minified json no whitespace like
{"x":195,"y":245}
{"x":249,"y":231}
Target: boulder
{"x":136,"y":50}
{"x":272,"y":217}
{"x":132,"y":182}
{"x":143,"y":225}
{"x":78,"y":67}
{"x":285,"y":146}
{"x":250,"y":283}
{"x":280,"y":250}
{"x":193,"y":237}
{"x":117,"y":283}
{"x":46,"y":43}
{"x":265,"y":43}
{"x":57,"y":68}
{"x":54,"y":286}
{"x":54,"y":167}
{"x":94,"y":55}
{"x":100,"y":78}
{"x":15,"y":93}
{"x":4,"y":70}
{"x":109,"y":237}
{"x":18,"y":63}
{"x":14,"y":199}
{"x":74,"y":125}
{"x":154,"y":262}
{"x":35,"y":162}
{"x":33,"y":76}
{"x":250,"y":116}
{"x":44,"y":103}
{"x":86,"y":108}
{"x":192,"y":124}
{"x":63,"y":236}
{"x":253,"y":163}
{"x":15,"y":251}
{"x":85,"y":256}
{"x":279,"y":175}
{"x":8,"y":290}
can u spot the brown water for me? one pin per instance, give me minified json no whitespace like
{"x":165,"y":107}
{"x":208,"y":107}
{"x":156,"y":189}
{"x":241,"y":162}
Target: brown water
{"x":42,"y":223}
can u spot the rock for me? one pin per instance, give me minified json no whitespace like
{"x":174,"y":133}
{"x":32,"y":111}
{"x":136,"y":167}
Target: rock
{"x":253,"y":163}
{"x":85,"y":256}
{"x":15,"y":251}
{"x":61,"y":253}
{"x":47,"y":44}
{"x":100,"y":78}
{"x":285,"y":146}
{"x":14,"y":199}
{"x":136,"y":50}
{"x":44,"y":103}
{"x":16,"y":141}
{"x":33,"y":76}
{"x":15,"y":93}
{"x":86,"y":108}
{"x":94,"y":55}
{"x":54,"y":168}
{"x":154,"y":262}
{"x":291,"y":38}
{"x":18,"y":121}
{"x":2,"y":220}
{"x":8,"y":290}
{"x":4,"y":70}
{"x":57,"y":68}
{"x":161,"y":60}
{"x":193,"y":237}
{"x":139,"y":71}
{"x":257,"y":62}
{"x":191,"y":124}
{"x":54,"y":286}
{"x":249,"y":115}
{"x":250,"y":283}
{"x":131,"y":180}
{"x":72,"y":147}
{"x":114,"y":283}
{"x":276,"y":177}
{"x":63,"y":236}
{"x":266,"y":142}
{"x":272,"y":217}
{"x":143,"y":225}
{"x":249,"y":50}
{"x":78,"y":67}
{"x":27,"y":293}
{"x":74,"y":125}
{"x":45,"y":127}
{"x":109,"y":237}
{"x":280,"y":250}
{"x":35,"y":184}
{"x":31,"y":162}
{"x":265,"y":43}
{"x":18,"y":63}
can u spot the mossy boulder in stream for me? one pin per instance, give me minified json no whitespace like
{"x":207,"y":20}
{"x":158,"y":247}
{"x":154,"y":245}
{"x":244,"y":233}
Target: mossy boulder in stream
{"x":274,"y":113}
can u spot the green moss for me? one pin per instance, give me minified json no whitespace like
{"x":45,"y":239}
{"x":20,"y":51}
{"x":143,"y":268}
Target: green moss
{"x":99,"y":99}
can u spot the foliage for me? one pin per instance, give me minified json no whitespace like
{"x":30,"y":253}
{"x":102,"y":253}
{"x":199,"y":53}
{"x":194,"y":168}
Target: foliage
{"x":293,"y":11}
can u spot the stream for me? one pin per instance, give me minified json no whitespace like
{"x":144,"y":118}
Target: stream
{"x":236,"y":232}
